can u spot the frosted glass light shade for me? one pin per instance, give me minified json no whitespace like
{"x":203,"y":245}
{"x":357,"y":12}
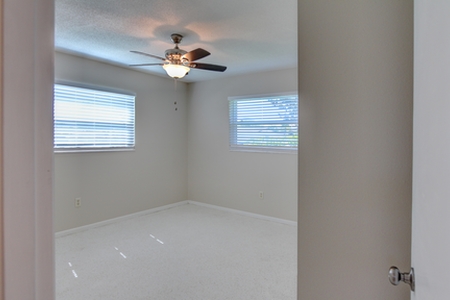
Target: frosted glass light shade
{"x":176,"y":71}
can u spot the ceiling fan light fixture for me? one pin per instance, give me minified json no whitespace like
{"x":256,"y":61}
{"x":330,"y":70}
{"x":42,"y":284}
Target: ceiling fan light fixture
{"x":176,"y":71}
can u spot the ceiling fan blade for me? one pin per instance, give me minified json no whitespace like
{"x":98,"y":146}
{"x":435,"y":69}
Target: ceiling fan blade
{"x":150,"y":55}
{"x":208,"y":67}
{"x":196,"y":54}
{"x":143,"y":65}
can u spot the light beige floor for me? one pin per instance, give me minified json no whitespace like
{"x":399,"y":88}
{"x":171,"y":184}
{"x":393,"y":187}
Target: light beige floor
{"x":186,"y":252}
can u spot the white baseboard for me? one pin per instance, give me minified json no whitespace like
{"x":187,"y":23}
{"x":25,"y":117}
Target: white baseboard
{"x":122,"y":218}
{"x":244,"y":213}
{"x":164,"y":207}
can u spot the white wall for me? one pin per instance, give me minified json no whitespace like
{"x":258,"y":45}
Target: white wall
{"x":113,"y":184}
{"x":431,"y":190}
{"x":233,"y":179}
{"x":355,"y":157}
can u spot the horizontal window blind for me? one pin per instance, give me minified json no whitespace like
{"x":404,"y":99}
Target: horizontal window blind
{"x":92,"y":119}
{"x":264,"y":123}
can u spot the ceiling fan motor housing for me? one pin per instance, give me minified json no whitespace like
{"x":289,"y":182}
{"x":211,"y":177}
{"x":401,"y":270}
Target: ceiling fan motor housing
{"x":175,"y":56}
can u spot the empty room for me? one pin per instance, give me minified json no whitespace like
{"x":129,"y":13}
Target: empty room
{"x":180,"y":209}
{"x":175,"y":186}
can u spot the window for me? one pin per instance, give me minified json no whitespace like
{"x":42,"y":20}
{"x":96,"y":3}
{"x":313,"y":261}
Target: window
{"x":87,"y":119}
{"x":264,"y":124}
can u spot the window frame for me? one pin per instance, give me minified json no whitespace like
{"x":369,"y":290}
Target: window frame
{"x":100,"y":89}
{"x":258,"y":148}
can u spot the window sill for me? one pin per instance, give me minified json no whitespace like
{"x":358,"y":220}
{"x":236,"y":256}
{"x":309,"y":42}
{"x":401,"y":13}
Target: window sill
{"x":263,"y":150}
{"x":92,"y":150}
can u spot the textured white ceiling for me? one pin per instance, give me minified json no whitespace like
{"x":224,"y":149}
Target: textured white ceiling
{"x":244,"y":35}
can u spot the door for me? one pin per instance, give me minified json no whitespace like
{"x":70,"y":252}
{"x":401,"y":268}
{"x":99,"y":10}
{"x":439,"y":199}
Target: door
{"x":431,"y":150}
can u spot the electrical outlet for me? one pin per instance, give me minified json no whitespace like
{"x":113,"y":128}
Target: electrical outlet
{"x":261,"y":195}
{"x":77,"y":202}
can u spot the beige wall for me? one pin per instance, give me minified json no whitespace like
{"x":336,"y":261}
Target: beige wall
{"x":233,"y":179}
{"x":27,"y":140}
{"x":355,"y":85}
{"x":113,"y":184}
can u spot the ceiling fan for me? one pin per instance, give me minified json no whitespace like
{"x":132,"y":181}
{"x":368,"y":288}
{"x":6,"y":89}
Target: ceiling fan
{"x":178,"y":62}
